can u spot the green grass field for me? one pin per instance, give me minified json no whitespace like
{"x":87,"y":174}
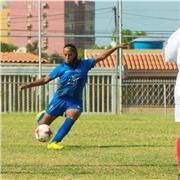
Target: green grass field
{"x":105,"y":147}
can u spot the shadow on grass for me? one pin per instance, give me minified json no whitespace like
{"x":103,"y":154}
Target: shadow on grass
{"x":116,"y":146}
{"x":75,"y":168}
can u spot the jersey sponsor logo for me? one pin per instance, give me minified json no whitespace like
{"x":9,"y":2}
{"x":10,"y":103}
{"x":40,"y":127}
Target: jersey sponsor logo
{"x":73,"y":80}
{"x":77,"y":70}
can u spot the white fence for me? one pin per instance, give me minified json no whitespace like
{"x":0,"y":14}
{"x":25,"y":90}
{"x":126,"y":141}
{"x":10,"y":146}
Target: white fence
{"x":100,"y":92}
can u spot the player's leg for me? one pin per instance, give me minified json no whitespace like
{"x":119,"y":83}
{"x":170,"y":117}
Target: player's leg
{"x":47,"y":119}
{"x":73,"y":109}
{"x":71,"y":116}
{"x":39,"y":116}
{"x":177,"y":119}
{"x":178,"y":155}
{"x":52,"y":111}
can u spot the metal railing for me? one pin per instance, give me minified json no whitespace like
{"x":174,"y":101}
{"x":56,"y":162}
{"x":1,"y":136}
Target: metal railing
{"x":99,"y":94}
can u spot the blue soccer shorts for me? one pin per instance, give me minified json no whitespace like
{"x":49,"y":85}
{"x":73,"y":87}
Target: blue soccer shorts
{"x":58,"y":106}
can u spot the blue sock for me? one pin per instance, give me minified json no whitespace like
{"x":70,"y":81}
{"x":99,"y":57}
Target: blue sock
{"x":63,"y":130}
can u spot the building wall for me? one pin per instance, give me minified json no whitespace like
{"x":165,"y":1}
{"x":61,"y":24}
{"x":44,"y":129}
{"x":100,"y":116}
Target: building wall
{"x":55,"y":18}
{"x":18,"y":16}
{"x":4,"y":25}
{"x":25,"y":22}
{"x":58,"y":18}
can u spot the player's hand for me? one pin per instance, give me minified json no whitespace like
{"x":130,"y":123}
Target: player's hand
{"x":22,"y":87}
{"x":123,"y":46}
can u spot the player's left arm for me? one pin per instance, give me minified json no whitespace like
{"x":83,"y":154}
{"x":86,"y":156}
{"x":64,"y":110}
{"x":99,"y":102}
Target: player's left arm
{"x":108,"y":52}
{"x":38,"y":82}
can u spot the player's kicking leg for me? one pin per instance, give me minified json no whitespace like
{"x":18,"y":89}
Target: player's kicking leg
{"x":178,"y":155}
{"x":47,"y":120}
{"x":72,"y":116}
{"x":61,"y":133}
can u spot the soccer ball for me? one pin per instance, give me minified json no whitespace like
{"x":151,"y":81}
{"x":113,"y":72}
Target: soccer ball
{"x":43,"y":133}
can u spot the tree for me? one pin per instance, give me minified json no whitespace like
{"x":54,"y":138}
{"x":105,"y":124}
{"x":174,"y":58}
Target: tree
{"x":33,"y":48}
{"x":127,"y":32}
{"x":44,"y":55}
{"x":55,"y":58}
{"x":8,"y":47}
{"x":95,"y":46}
{"x":80,"y":53}
{"x":132,"y":36}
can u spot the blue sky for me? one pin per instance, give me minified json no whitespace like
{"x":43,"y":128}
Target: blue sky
{"x":155,"y":17}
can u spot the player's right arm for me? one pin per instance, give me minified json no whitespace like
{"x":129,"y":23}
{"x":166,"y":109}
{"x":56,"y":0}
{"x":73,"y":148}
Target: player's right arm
{"x":38,"y":82}
{"x":171,"y":47}
{"x":108,"y":52}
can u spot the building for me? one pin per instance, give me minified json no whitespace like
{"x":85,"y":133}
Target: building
{"x":4,"y":24}
{"x":139,"y":64}
{"x":58,"y":18}
{"x":13,"y":58}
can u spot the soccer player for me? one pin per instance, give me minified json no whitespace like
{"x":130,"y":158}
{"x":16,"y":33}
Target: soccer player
{"x":67,"y":99}
{"x":172,"y":54}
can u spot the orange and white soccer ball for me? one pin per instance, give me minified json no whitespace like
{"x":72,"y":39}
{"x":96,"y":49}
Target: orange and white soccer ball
{"x":43,"y":133}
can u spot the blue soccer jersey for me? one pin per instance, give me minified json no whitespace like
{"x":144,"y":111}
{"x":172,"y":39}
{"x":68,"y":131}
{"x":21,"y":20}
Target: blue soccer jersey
{"x":72,"y":80}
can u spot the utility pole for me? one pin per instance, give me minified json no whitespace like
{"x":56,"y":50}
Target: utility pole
{"x":39,"y":53}
{"x":115,"y":18}
{"x":39,"y":38}
{"x":116,"y":97}
{"x":119,"y":5}
{"x":118,"y":26}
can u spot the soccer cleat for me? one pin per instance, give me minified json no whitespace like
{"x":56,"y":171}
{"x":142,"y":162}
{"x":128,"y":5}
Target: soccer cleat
{"x":54,"y":146}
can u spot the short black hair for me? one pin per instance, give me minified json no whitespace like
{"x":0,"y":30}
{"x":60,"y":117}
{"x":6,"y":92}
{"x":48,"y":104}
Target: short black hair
{"x":73,"y":47}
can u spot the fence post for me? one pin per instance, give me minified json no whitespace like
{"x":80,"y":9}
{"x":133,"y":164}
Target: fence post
{"x":165,"y":105}
{"x":114,"y":98}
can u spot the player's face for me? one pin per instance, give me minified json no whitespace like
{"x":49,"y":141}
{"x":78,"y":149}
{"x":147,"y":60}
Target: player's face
{"x":69,"y":56}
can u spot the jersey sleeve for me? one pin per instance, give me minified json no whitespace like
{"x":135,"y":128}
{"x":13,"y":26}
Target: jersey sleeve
{"x":89,"y":63}
{"x":171,"y":47}
{"x":56,"y":72}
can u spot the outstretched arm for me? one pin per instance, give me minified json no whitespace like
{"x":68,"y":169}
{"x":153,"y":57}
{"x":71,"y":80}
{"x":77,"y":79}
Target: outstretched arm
{"x":171,"y":48}
{"x":38,"y":82}
{"x":105,"y":54}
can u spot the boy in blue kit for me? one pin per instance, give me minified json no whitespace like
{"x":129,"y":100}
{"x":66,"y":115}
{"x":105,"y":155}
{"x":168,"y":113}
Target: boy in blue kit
{"x":67,"y":99}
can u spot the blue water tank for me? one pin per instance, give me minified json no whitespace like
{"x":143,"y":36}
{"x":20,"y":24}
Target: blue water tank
{"x":148,"y":43}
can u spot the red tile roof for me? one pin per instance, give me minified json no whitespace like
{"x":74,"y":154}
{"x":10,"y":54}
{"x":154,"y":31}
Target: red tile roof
{"x":13,"y":57}
{"x":137,"y":60}
{"x":132,"y":60}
